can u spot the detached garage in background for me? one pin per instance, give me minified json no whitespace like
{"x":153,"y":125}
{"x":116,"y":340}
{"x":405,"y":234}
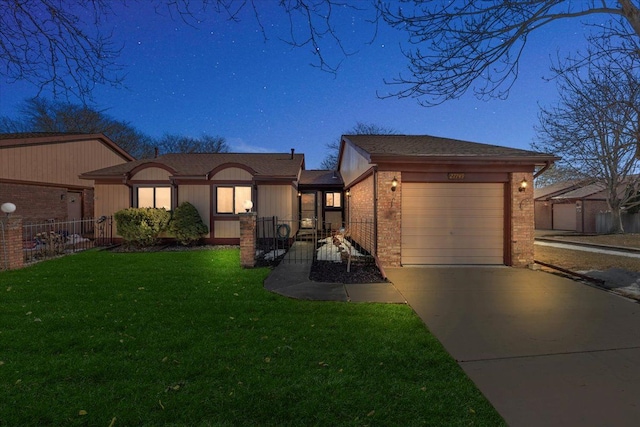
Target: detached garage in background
{"x":439,"y":201}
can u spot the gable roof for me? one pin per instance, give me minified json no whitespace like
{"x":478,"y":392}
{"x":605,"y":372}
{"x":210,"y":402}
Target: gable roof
{"x":557,"y":188}
{"x":200,"y":165}
{"x":405,"y":147}
{"x":320,"y":178}
{"x":13,"y":140}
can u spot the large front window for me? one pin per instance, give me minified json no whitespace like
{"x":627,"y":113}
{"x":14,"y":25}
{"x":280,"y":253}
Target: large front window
{"x":230,"y":200}
{"x":333,"y":200}
{"x":154,"y":197}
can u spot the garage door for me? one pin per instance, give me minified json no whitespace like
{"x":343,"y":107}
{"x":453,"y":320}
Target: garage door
{"x":452,"y":223}
{"x":564,"y":216}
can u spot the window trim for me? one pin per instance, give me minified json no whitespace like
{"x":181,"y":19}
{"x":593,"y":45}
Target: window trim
{"x":155,"y":199}
{"x":236,"y":209}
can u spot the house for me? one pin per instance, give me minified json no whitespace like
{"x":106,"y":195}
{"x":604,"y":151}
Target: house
{"x":572,"y":205}
{"x":218,"y":185}
{"x":441,"y":201}
{"x":39,"y":172}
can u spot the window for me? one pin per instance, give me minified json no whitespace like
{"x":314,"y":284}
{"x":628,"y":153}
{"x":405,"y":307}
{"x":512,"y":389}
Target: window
{"x":333,"y":200}
{"x":154,"y":197}
{"x":230,"y":199}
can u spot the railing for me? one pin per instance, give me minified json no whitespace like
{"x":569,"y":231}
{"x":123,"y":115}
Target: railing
{"x":53,"y":239}
{"x":308,"y":240}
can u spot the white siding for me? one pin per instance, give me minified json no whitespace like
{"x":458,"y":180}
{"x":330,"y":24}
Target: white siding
{"x":353,"y":164}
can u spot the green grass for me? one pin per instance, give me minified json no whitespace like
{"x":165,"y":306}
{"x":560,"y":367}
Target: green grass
{"x":189,"y":338}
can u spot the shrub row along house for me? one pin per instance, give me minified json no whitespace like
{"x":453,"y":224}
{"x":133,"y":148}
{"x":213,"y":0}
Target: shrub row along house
{"x":431,"y":200}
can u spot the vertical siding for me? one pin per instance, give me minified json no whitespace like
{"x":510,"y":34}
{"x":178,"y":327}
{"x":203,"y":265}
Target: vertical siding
{"x":353,"y":164}
{"x":277,"y":200}
{"x":232,"y":174}
{"x":200,"y":197}
{"x":227,"y":229}
{"x":152,"y":174}
{"x":109,"y":199}
{"x":56,"y":163}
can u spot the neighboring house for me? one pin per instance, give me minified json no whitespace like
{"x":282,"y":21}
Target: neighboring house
{"x":571,"y":206}
{"x":217,"y":184}
{"x":39,"y":173}
{"x":455,"y":202}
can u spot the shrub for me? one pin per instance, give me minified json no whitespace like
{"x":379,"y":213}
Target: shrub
{"x":186,"y":224}
{"x":141,"y":226}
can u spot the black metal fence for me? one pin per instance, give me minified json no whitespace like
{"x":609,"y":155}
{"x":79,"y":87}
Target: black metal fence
{"x":56,"y":238}
{"x":304,"y":241}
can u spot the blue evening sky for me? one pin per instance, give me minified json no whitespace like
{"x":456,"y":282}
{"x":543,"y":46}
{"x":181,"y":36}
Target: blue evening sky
{"x":222,"y":78}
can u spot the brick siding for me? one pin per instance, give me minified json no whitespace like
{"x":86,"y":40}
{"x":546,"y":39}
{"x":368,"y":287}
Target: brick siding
{"x":389,"y":219}
{"x":35,"y":203}
{"x":11,"y":256}
{"x":522,"y":221}
{"x":248,"y":239}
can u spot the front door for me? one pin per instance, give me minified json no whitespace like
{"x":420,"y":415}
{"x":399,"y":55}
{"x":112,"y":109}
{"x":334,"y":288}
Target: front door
{"x":74,"y":205}
{"x":307,"y":210}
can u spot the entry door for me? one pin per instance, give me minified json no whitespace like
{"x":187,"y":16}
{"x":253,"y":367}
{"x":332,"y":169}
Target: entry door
{"x":307,"y":210}
{"x":74,"y":206}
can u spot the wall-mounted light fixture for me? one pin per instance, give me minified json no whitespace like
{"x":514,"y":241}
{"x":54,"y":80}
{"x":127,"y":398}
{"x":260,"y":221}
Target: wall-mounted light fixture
{"x":523,"y":185}
{"x":299,"y":194}
{"x":394,"y":184}
{"x":247,"y":205}
{"x":348,"y":193}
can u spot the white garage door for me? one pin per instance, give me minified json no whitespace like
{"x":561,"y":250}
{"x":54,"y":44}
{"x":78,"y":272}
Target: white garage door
{"x":564,"y":216}
{"x":452,"y":223}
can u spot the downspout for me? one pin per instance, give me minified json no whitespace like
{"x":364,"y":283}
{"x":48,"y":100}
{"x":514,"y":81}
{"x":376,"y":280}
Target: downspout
{"x":545,"y":167}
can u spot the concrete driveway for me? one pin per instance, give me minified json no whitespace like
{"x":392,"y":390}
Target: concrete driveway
{"x":545,"y":350}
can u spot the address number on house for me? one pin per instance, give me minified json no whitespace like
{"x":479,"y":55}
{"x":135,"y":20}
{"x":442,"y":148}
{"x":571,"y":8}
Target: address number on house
{"x":457,"y":176}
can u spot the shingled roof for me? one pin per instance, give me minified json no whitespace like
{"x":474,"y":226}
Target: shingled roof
{"x":320,"y":178}
{"x":201,"y":164}
{"x":426,"y":146}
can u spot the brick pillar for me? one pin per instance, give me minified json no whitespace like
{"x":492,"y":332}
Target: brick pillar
{"x":248,"y":239}
{"x":522,"y":220}
{"x":11,"y":256}
{"x":389,"y":205}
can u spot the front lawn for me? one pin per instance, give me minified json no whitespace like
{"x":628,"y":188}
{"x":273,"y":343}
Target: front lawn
{"x":189,"y":338}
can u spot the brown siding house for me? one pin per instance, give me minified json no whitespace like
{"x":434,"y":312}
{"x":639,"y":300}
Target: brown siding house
{"x":39,"y":173}
{"x":439,"y":201}
{"x":217,"y":184}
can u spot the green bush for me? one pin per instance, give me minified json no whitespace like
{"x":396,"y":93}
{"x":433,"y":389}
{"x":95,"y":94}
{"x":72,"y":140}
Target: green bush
{"x":141,"y":226}
{"x":186,"y":224}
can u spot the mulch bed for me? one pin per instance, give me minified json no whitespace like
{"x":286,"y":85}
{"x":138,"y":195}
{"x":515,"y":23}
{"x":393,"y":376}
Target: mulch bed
{"x":336,"y":272}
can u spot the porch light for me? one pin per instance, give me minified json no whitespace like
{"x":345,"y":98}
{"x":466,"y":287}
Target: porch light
{"x":247,"y":205}
{"x":8,"y":208}
{"x":523,"y":185}
{"x":299,"y":194}
{"x":394,"y":184}
{"x":348,"y":193}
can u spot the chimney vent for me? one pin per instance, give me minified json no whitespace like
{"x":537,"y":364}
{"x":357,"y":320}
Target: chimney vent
{"x":293,"y":150}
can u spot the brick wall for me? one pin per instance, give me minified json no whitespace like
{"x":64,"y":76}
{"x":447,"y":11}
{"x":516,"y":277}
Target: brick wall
{"x":248,"y":239}
{"x":35,"y":203}
{"x":11,"y":256}
{"x":522,"y":220}
{"x":389,"y":219}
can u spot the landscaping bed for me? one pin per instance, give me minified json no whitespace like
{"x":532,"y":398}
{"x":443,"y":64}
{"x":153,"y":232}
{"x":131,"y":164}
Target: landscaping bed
{"x":336,"y":272}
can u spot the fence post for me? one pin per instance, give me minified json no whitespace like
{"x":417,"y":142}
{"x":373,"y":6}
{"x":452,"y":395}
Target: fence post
{"x":248,"y":239}
{"x":12,"y":256}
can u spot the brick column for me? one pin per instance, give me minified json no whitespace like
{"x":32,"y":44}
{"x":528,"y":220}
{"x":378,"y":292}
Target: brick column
{"x":389,"y":205}
{"x":522,"y":220}
{"x":248,"y":239}
{"x":11,"y":256}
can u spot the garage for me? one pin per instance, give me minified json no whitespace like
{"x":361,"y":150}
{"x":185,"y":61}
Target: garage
{"x":564,"y":216}
{"x":452,"y":223}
